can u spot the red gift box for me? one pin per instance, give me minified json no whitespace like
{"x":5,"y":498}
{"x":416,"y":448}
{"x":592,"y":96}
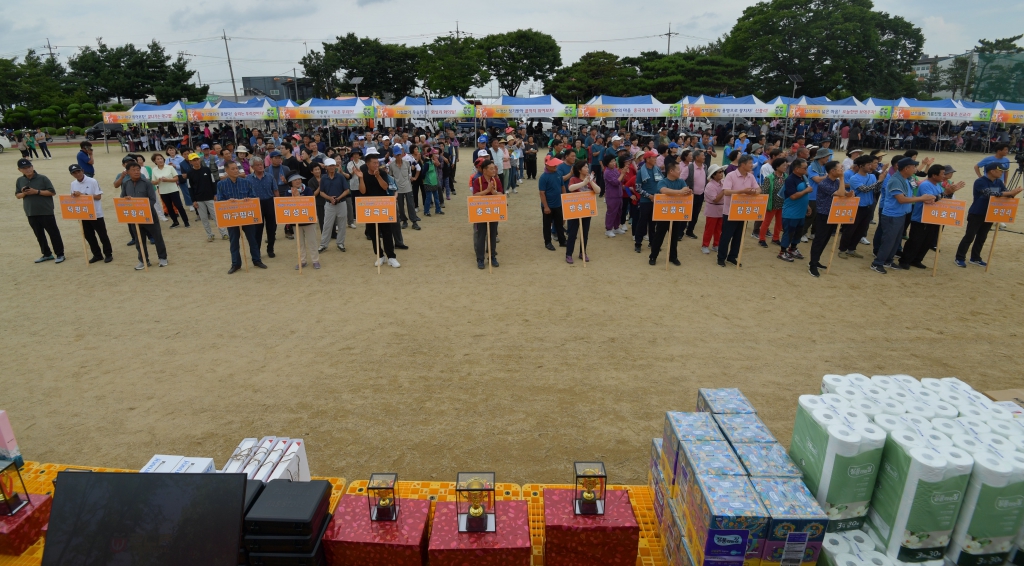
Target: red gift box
{"x":589,"y":540}
{"x":509,"y":545}
{"x":21,"y":531}
{"x":352,"y":539}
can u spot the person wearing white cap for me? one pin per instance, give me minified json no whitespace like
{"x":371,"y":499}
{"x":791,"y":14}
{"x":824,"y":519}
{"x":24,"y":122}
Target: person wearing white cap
{"x":334,"y":190}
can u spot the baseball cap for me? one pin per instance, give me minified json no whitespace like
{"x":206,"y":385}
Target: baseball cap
{"x":481,"y":139}
{"x":397,"y":149}
{"x":988,"y":166}
{"x":328,"y":162}
{"x":204,"y":146}
{"x":614,"y":138}
{"x":73,"y":168}
{"x":673,"y":145}
{"x":482,"y":153}
{"x":649,"y":154}
{"x":907,"y":162}
{"x":479,"y":161}
{"x":950,"y":170}
{"x":274,"y":153}
{"x":192,"y":156}
{"x":23,"y":163}
{"x":551,"y":161}
{"x":384,"y":138}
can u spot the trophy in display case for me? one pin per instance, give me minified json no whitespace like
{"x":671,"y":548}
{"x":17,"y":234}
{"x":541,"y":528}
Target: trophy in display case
{"x":13,"y":494}
{"x":475,"y":502}
{"x":382,"y":497}
{"x":591,"y":481}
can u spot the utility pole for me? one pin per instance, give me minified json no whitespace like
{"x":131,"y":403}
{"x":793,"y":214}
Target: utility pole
{"x":668,"y":50}
{"x":456,"y":30}
{"x":970,"y":59}
{"x":199,"y":78}
{"x":295,"y":78}
{"x":230,"y":69}
{"x":50,"y":47}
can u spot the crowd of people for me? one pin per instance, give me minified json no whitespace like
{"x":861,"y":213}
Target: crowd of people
{"x":627,"y":170}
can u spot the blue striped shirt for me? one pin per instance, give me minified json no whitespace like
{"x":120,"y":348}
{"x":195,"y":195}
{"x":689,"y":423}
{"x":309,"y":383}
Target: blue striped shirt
{"x":241,"y":188}
{"x":263,"y":187}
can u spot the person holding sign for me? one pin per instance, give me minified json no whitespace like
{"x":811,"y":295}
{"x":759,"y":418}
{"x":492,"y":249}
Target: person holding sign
{"x":741,"y":181}
{"x":36,"y":193}
{"x":581,"y":181}
{"x":550,"y":185}
{"x":87,"y":186}
{"x":309,"y":241}
{"x":137,"y":186}
{"x":832,"y":185}
{"x":235,"y":187}
{"x":648,"y":177}
{"x":987,"y":186}
{"x":202,"y":185}
{"x":373,"y":182}
{"x":862,"y":182}
{"x":796,"y":191}
{"x":674,"y":186}
{"x":897,"y":203}
{"x":924,"y":236}
{"x":486,"y":184}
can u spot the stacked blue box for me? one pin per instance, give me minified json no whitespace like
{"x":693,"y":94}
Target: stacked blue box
{"x":680,"y":427}
{"x":703,"y":457}
{"x":798,"y":524}
{"x":656,"y":480}
{"x":726,"y":400}
{"x":744,"y":428}
{"x":767,"y":459}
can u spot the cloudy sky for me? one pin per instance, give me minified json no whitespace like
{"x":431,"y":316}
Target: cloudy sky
{"x":267,"y":36}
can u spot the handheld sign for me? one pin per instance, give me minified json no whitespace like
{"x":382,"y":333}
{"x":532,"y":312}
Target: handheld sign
{"x":295,"y":210}
{"x":945,"y":212}
{"x":243,"y":212}
{"x":673,"y":208}
{"x":77,"y":208}
{"x":582,"y":204}
{"x":748,"y":207}
{"x":843,"y":211}
{"x":488,"y":208}
{"x":133,"y":210}
{"x":1000,"y":209}
{"x":376,"y":210}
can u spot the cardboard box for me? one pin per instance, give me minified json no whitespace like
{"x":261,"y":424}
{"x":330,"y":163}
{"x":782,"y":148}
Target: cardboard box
{"x":1015,"y":396}
{"x":23,"y":529}
{"x":681,"y":426}
{"x":725,"y":523}
{"x":702,"y":457}
{"x":744,"y":428}
{"x":589,"y":540}
{"x":190,"y":465}
{"x":798,"y":524}
{"x":767,"y":459}
{"x":509,"y":545}
{"x":726,"y":400}
{"x":161,"y":464}
{"x":352,"y":539}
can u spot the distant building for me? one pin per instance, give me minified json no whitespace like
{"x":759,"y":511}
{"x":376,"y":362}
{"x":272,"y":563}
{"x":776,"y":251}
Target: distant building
{"x":923,"y":67}
{"x":278,"y":88}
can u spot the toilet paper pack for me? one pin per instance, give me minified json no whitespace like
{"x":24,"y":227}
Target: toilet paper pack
{"x":726,"y":400}
{"x":680,"y":426}
{"x":992,"y":512}
{"x":798,"y":524}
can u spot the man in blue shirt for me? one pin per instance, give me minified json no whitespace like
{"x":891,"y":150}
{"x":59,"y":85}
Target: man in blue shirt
{"x":815,"y":174}
{"x":1002,"y":150}
{"x":991,"y":185}
{"x":265,"y":187}
{"x":674,"y":186}
{"x":648,"y":177}
{"x":861,"y":183}
{"x":550,"y":185}
{"x":897,"y":201}
{"x":335,"y":190}
{"x":924,"y":236}
{"x":234,"y":187}
{"x":85,"y":159}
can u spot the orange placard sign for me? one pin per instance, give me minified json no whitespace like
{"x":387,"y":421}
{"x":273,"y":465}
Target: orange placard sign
{"x":1000,"y":209}
{"x":748,"y":207}
{"x":488,"y":208}
{"x":133,"y":210}
{"x":376,"y":210}
{"x":582,"y":204}
{"x":844,"y":210}
{"x":295,"y":210}
{"x":242,"y":212}
{"x":947,"y":212}
{"x":671,"y":207}
{"x":77,"y":208}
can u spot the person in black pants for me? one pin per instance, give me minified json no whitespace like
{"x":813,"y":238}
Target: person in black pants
{"x":266,"y":188}
{"x":550,"y":186}
{"x":988,"y":185}
{"x":373,"y":182}
{"x":674,"y":186}
{"x":36,"y":193}
{"x":739,"y":182}
{"x":530,"y":157}
{"x":137,"y":186}
{"x":85,"y":186}
{"x":833,"y":185}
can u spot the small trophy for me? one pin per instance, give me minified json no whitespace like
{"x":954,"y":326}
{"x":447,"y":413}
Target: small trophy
{"x":11,"y":499}
{"x":475,"y":502}
{"x":591,"y":481}
{"x":382,"y":497}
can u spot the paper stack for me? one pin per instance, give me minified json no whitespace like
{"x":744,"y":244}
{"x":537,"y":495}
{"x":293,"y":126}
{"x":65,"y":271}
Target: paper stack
{"x":270,"y":458}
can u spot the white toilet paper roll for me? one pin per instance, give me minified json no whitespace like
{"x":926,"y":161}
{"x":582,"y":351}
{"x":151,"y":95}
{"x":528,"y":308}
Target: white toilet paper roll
{"x":875,"y":558}
{"x":995,"y":442}
{"x":834,"y":545}
{"x":833,"y":400}
{"x":949,"y":427}
{"x":932,"y":384}
{"x":901,"y":396}
{"x":830,"y":382}
{"x":973,"y":426}
{"x":889,"y":423}
{"x":971,"y":411}
{"x":859,"y":541}
{"x":907,"y":382}
{"x":811,"y":402}
{"x":954,"y":383}
{"x":920,"y":409}
{"x":943,"y":410}
{"x":936,"y":439}
{"x":871,"y":433}
{"x":997,"y":412}
{"x":984,"y":530}
{"x":1017,"y":441}
{"x":866,"y":406}
{"x":968,"y":443}
{"x":915,"y":421}
{"x":906,"y":439}
{"x":883,"y":381}
{"x":858,"y":379}
{"x":850,"y":560}
{"x":888,"y":406}
{"x":1006,"y":429}
{"x":954,"y":398}
{"x":851,"y":415}
{"x":849,"y":392}
{"x":927,"y":396}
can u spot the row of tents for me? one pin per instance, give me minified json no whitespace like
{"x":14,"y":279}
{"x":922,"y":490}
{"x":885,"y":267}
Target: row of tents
{"x":454,"y":107}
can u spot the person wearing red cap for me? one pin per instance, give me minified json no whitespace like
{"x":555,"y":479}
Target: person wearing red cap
{"x":648,"y":177}
{"x":550,"y":186}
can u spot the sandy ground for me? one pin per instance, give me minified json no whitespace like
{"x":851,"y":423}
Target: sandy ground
{"x":437,"y":367}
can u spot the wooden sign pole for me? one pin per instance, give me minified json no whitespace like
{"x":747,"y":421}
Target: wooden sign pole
{"x":583,"y":245}
{"x":671,"y":223}
{"x":85,"y":248}
{"x":298,"y":248}
{"x":995,"y":237}
{"x":380,"y":249}
{"x":739,"y":258}
{"x":938,"y":247}
{"x":142,"y":248}
{"x":241,"y":240}
{"x":487,"y":247}
{"x":833,"y":254}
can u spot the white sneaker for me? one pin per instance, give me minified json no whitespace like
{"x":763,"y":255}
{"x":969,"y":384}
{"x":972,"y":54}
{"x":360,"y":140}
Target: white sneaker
{"x":865,"y":242}
{"x":623,"y":228}
{"x":647,"y":238}
{"x":140,"y":266}
{"x":380,"y":261}
{"x":1002,"y":226}
{"x":620,"y":230}
{"x":704,"y":250}
{"x":810,"y":236}
{"x":803,"y":239}
{"x":610,"y":233}
{"x":714,"y":248}
{"x":163,"y":263}
{"x":394,"y":263}
{"x":352,"y":225}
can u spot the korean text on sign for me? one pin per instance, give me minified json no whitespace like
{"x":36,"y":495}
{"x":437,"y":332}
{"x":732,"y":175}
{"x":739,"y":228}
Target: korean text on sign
{"x":579,"y":205}
{"x":77,"y":208}
{"x":748,"y":207}
{"x":1002,"y":209}
{"x":376,"y":210}
{"x":946,"y":212}
{"x":295,"y":210}
{"x":244,"y":212}
{"x":669,"y":207}
{"x":133,"y":210}
{"x":844,"y":210}
{"x":488,"y":208}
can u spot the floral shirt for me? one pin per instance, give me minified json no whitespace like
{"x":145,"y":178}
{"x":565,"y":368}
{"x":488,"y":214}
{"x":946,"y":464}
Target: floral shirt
{"x":772,"y":185}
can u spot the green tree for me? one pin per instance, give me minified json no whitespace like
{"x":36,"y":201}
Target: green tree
{"x":325,"y":80}
{"x":956,"y":76}
{"x":450,"y":66}
{"x":934,"y":82}
{"x":516,"y":57}
{"x":671,"y":77}
{"x":175,"y":83}
{"x":386,"y":68}
{"x":597,"y":72}
{"x":995,"y":77}
{"x":10,"y":75}
{"x":1002,"y":45}
{"x":836,"y":46}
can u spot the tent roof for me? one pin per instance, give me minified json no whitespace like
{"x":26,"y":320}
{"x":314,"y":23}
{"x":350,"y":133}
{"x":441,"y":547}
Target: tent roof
{"x":624,"y":100}
{"x":971,"y":104}
{"x":878,"y":102}
{"x":142,"y":107}
{"x":534,"y":101}
{"x":848,"y":101}
{"x":231,"y":104}
{"x":1015,"y":106}
{"x":411,"y":101}
{"x":199,"y":106}
{"x":948,"y":103}
{"x":449,"y":101}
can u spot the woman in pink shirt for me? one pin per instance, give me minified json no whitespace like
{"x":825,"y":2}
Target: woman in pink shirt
{"x":713,"y":209}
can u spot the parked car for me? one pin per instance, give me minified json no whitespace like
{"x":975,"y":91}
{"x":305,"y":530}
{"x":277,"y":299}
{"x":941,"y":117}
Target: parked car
{"x":96,"y":132}
{"x":470,"y":125}
{"x":4,"y":143}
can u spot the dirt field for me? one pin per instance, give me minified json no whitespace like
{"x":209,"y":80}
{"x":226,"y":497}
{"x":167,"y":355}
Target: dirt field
{"x":437,"y":367}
